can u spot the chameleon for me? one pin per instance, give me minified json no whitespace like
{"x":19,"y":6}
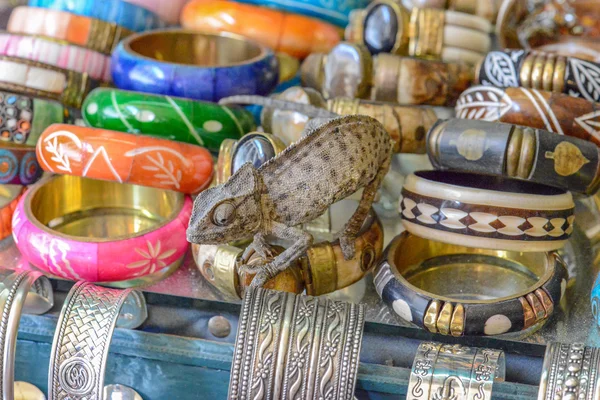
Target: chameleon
{"x":329,"y":163}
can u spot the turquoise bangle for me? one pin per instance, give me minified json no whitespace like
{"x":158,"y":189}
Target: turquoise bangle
{"x":120,"y":12}
{"x":174,"y":118}
{"x":335,"y":12}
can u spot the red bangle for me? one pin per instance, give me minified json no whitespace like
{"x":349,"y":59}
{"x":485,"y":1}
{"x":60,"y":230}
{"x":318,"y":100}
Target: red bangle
{"x":125,"y":158}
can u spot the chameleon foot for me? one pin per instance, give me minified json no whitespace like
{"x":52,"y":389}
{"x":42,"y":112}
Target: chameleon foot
{"x":347,"y":245}
{"x":251,"y":269}
{"x":263,"y":250}
{"x":267,"y":272}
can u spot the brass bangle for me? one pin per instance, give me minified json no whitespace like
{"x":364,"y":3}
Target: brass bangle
{"x":426,"y":33}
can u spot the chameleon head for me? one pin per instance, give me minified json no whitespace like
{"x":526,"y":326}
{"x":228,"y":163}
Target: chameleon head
{"x":227,"y":212}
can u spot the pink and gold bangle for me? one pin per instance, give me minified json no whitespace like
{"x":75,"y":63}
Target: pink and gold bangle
{"x":168,"y":11}
{"x":102,"y":231}
{"x":57,"y":53}
{"x":124,"y":158}
{"x":91,"y":33}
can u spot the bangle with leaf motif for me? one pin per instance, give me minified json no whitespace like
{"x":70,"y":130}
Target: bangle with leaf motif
{"x":103,"y":232}
{"x":91,"y":33}
{"x":124,"y":158}
{"x":183,"y":120}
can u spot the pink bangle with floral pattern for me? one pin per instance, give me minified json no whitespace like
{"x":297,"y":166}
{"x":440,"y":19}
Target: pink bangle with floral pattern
{"x":102,"y":231}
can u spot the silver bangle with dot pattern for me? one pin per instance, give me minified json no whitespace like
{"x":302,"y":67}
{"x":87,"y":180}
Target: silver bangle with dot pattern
{"x":297,"y":347}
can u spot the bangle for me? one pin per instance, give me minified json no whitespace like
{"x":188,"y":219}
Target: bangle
{"x":538,"y":70}
{"x":177,"y":63}
{"x":407,"y":126}
{"x":388,"y":27}
{"x":9,"y":198}
{"x":291,"y":346}
{"x":571,"y":47}
{"x":554,"y":112}
{"x":56,"y":53}
{"x":334,"y":12}
{"x":91,"y":33}
{"x":323,"y":269}
{"x":466,"y":372}
{"x":130,"y":16}
{"x":38,"y":79}
{"x":293,"y":34}
{"x":483,"y":9}
{"x":78,"y":358}
{"x":18,"y":164}
{"x":124,"y":158}
{"x":12,"y":300}
{"x":517,"y":152}
{"x":350,"y":71}
{"x":106,"y":232}
{"x":415,"y":279}
{"x":496,"y":213}
{"x":569,"y":370}
{"x":166,"y":11}
{"x":26,"y":117}
{"x":183,"y":120}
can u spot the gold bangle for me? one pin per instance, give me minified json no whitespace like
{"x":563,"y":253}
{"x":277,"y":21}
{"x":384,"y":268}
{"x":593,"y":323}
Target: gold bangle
{"x":288,"y":66}
{"x":323,"y":269}
{"x":426,"y":33}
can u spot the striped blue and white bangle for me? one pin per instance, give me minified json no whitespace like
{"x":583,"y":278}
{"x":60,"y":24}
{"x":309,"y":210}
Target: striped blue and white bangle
{"x":125,"y":14}
{"x":335,"y":12}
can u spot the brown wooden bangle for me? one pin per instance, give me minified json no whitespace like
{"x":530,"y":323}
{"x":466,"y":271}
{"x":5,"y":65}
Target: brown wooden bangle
{"x":348,"y":71}
{"x":554,"y":112}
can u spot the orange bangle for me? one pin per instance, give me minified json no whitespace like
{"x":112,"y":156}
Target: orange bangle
{"x":293,"y":34}
{"x":125,"y":158}
{"x":9,"y":198}
{"x":91,"y":33}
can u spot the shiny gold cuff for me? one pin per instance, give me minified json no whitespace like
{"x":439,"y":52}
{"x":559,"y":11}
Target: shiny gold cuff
{"x":323,"y":269}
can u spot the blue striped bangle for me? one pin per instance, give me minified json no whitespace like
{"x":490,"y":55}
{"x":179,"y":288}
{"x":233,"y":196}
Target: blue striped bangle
{"x":133,"y":66}
{"x":119,"y":12}
{"x":333,"y":11}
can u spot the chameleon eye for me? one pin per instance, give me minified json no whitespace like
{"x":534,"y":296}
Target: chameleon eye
{"x":224,"y":214}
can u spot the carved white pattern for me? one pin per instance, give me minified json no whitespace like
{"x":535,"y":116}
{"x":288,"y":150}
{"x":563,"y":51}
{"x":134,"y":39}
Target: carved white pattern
{"x":409,"y":204}
{"x":55,"y":254}
{"x":60,"y":153}
{"x":587,"y":78}
{"x":166,"y":173}
{"x":384,"y":275}
{"x":102,"y":151}
{"x":500,"y":69}
{"x":153,"y":259}
{"x":540,"y":104}
{"x":16,"y":221}
{"x":427,"y":211}
{"x":452,"y":218}
{"x":485,"y":103}
{"x":590,"y":123}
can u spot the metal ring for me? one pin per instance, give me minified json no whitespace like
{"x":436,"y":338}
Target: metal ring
{"x":12,"y":300}
{"x":442,"y":371}
{"x":292,"y":346}
{"x":80,"y":347}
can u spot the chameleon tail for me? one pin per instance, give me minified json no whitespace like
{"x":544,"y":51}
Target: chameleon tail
{"x":306,"y":109}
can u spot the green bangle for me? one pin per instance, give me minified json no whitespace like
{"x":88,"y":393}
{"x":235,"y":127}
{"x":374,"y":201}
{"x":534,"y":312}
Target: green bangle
{"x":174,"y":118}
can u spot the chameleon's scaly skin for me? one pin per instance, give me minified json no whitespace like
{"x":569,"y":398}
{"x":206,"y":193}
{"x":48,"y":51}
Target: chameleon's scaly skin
{"x":327,"y":165}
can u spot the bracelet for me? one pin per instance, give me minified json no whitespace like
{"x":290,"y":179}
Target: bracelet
{"x":538,"y":70}
{"x":130,"y":16}
{"x":323,"y":270}
{"x":483,"y":9}
{"x":166,"y":11}
{"x":26,"y":117}
{"x":554,"y":112}
{"x":172,"y":118}
{"x":517,"y":152}
{"x":572,"y":47}
{"x":460,"y":371}
{"x":9,"y":198}
{"x":388,"y":27}
{"x":105,"y":232}
{"x":12,"y":300}
{"x":569,"y":371}
{"x":38,"y":79}
{"x":90,"y":33}
{"x":177,"y":63}
{"x":81,"y":341}
{"x":58,"y":54}
{"x":293,"y":34}
{"x":18,"y":164}
{"x":417,"y":279}
{"x":349,"y":71}
{"x":291,"y":346}
{"x":407,"y":126}
{"x":334,"y":12}
{"x":124,"y":158}
{"x":492,"y":213}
